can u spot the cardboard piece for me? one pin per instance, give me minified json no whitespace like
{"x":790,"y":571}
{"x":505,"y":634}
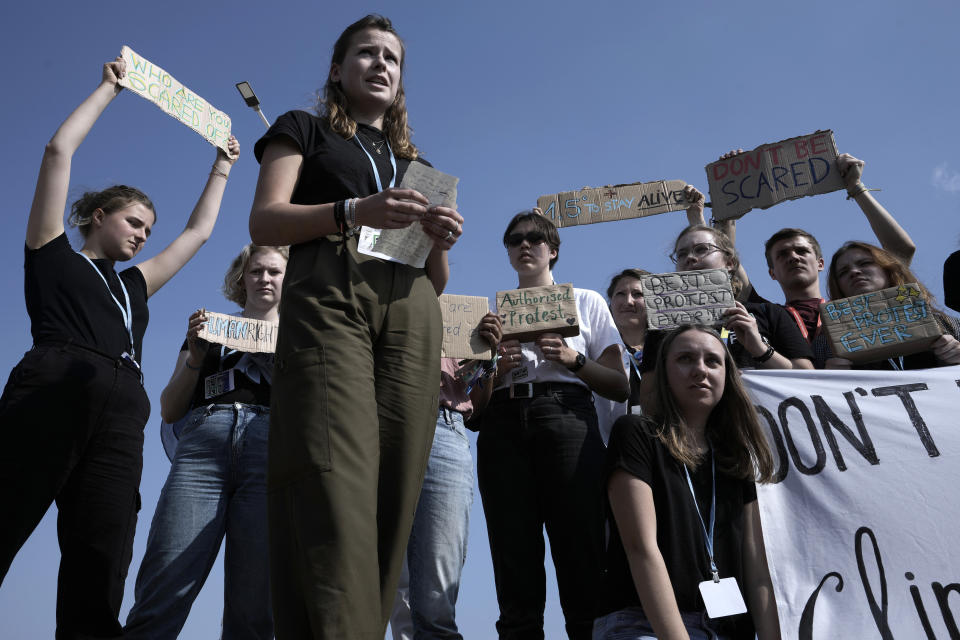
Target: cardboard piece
{"x":411,"y":245}
{"x":772,"y":173}
{"x":687,"y":297}
{"x":617,"y":202}
{"x":156,"y":85}
{"x":879,"y":325}
{"x":461,"y":320}
{"x":528,"y":313}
{"x":245,"y":334}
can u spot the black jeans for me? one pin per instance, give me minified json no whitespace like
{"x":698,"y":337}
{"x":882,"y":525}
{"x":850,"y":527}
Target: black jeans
{"x":72,"y":424}
{"x":539,"y":462}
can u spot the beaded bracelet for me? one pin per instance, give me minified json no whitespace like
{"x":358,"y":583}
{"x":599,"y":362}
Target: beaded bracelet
{"x":863,"y":189}
{"x":216,"y":172}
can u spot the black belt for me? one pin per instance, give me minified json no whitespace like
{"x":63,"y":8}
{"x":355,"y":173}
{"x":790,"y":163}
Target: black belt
{"x":537,"y":389}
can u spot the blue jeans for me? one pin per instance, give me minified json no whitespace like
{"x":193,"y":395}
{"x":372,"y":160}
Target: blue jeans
{"x":632,"y":624}
{"x":437,"y":547}
{"x":216,"y":486}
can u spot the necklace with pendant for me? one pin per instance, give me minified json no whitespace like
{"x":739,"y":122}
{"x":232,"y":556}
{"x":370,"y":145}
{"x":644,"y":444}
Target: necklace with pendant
{"x":377,"y":146}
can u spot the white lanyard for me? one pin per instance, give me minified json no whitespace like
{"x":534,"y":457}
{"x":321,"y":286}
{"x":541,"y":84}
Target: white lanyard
{"x":708,"y":535}
{"x":376,"y":173}
{"x":126,"y":313}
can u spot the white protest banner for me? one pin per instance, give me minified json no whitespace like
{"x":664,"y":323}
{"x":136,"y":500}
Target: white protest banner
{"x":461,"y":322}
{"x":156,"y":85}
{"x":861,"y":529}
{"x":772,"y":173}
{"x":411,"y":245}
{"x":244,"y":334}
{"x":616,"y":202}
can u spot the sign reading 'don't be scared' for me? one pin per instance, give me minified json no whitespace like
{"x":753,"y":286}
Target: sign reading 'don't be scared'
{"x":243,"y":334}
{"x":617,"y":202}
{"x":687,"y":297}
{"x":875,"y":326}
{"x":772,"y":173}
{"x":461,"y":322}
{"x":528,"y":313}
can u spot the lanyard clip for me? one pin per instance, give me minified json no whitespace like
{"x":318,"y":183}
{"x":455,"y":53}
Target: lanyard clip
{"x":716,"y":576}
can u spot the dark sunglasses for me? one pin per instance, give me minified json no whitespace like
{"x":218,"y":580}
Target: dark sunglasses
{"x":532,"y":237}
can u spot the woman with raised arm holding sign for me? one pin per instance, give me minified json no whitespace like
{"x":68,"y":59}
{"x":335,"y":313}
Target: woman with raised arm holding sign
{"x":73,"y":411}
{"x":539,"y":452}
{"x":217,"y":486}
{"x":685,"y":553}
{"x":355,"y":390}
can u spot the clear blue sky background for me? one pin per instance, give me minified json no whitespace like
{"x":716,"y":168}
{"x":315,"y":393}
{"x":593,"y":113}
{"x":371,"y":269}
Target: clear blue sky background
{"x":518,"y":100}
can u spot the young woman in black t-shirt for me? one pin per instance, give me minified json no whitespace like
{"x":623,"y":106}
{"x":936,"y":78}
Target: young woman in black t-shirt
{"x":355,"y":388}
{"x":668,"y":476}
{"x":73,"y":410}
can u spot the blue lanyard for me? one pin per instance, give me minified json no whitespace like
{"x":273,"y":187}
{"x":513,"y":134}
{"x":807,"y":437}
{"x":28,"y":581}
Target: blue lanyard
{"x":126,"y":313}
{"x":708,"y":535}
{"x":893,"y":363}
{"x":373,"y":165}
{"x":635,"y":359}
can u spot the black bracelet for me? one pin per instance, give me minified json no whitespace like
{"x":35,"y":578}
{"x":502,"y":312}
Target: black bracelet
{"x":338,"y":214}
{"x":766,"y":355}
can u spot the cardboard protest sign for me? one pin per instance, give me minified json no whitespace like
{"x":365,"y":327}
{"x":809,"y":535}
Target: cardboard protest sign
{"x":772,"y":173}
{"x":156,"y":85}
{"x":875,"y":326}
{"x":244,"y":334}
{"x":617,"y":202}
{"x":461,"y":320}
{"x":860,"y":523}
{"x":687,"y":297}
{"x":528,"y":313}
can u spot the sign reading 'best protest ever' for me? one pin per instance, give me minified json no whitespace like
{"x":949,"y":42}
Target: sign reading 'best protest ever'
{"x":772,"y":173}
{"x":243,"y":334}
{"x":875,"y":326}
{"x":687,"y":297}
{"x":156,"y":85}
{"x":528,"y":313}
{"x":461,"y":322}
{"x":619,"y":202}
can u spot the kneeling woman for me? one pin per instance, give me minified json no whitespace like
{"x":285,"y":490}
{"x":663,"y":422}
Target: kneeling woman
{"x":539,"y":451}
{"x":217,"y":484}
{"x":683,"y":504}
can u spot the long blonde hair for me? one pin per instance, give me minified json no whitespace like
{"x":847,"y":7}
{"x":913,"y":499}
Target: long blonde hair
{"x":333,"y":105}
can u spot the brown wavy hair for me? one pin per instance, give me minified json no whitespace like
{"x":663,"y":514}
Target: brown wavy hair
{"x":233,"y":289}
{"x":740,"y":446}
{"x":726,"y":246}
{"x":109,"y":200}
{"x":332,"y":103}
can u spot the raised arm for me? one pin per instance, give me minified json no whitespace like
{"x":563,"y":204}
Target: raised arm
{"x":175,"y":398}
{"x":727,"y":227}
{"x":163,"y":266}
{"x":50,"y":198}
{"x":631,"y":501}
{"x":758,"y":587}
{"x":888,"y":231}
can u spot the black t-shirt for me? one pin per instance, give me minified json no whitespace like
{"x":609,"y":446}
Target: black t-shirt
{"x":245,"y":391}
{"x":635,"y":449}
{"x":67,"y":300}
{"x":951,"y":281}
{"x":773,"y":322}
{"x":333,"y":168}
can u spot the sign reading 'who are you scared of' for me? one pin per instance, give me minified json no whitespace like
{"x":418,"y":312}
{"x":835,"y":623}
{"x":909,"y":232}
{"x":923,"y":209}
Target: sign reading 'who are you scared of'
{"x":772,"y":173}
{"x":617,"y":202}
{"x":156,"y":85}
{"x":461,"y":324}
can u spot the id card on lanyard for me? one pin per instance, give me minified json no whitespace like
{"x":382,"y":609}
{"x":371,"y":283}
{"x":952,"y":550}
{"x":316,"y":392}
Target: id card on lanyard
{"x":221,"y":382}
{"x":130,"y":354}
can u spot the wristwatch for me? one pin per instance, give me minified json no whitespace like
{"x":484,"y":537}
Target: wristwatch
{"x":578,"y":363}
{"x":766,"y":355}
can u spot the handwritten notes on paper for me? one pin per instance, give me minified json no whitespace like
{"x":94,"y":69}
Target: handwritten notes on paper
{"x":772,"y":173}
{"x":156,"y":85}
{"x":875,"y":326}
{"x":619,"y":202}
{"x":528,"y":313}
{"x":687,"y":297}
{"x":411,"y":245}
{"x":461,"y":322}
{"x":243,"y":334}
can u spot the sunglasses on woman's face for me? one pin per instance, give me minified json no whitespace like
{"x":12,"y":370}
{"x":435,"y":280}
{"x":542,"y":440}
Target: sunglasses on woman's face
{"x":532,"y":238}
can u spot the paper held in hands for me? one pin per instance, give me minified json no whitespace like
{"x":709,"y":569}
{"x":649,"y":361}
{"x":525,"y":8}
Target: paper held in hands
{"x":411,"y":245}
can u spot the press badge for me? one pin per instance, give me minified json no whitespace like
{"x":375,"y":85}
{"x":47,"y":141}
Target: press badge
{"x":218,"y":384}
{"x":722,"y":598}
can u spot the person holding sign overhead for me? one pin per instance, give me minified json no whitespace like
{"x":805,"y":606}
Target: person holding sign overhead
{"x":860,"y":267}
{"x":353,"y":415}
{"x":217,"y":485}
{"x":539,"y":451}
{"x":685,"y":555}
{"x":73,"y":411}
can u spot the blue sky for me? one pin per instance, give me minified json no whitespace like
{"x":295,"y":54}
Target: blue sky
{"x":517,"y":100}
